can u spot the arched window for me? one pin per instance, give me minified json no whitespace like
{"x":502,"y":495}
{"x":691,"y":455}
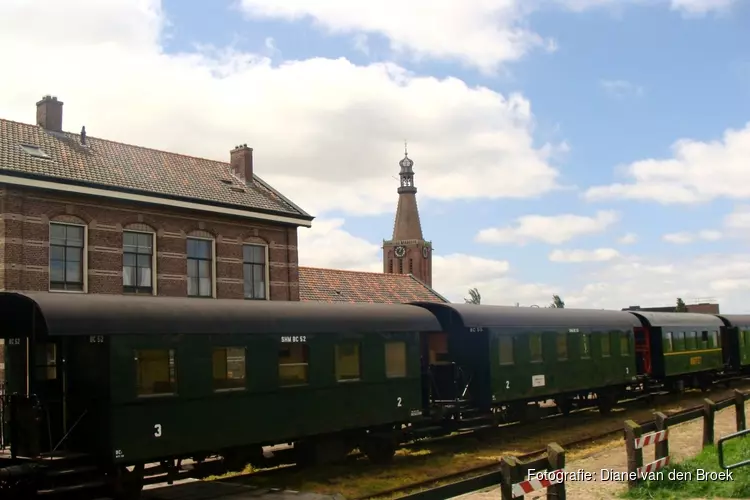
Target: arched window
{"x":139,"y":259}
{"x":255,"y":270}
{"x":68,"y":255}
{"x":201,"y":264}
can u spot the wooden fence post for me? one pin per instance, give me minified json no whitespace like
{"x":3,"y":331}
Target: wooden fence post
{"x":662,"y":447}
{"x":635,"y":455}
{"x":739,"y":410}
{"x":709,"y":409}
{"x":556,"y":457}
{"x":509,"y":472}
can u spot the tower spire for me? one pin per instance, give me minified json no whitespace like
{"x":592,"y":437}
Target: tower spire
{"x":407,"y":225}
{"x":407,"y":252}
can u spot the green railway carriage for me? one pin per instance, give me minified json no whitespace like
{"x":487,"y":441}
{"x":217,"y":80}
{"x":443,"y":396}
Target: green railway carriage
{"x":517,"y":355}
{"x":735,"y":338}
{"x":679,"y":347}
{"x":137,"y":379}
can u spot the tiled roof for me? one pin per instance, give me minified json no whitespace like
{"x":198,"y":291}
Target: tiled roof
{"x":335,"y":285}
{"x":123,"y":167}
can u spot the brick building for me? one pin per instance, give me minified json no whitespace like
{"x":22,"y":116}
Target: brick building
{"x":80,"y":214}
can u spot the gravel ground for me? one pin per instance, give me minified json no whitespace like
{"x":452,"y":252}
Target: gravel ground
{"x":685,"y":441}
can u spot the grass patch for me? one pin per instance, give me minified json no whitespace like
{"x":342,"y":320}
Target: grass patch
{"x":672,"y":487}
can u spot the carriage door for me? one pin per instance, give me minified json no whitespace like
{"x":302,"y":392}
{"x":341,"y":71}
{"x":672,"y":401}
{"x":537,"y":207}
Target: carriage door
{"x":48,"y":382}
{"x":20,"y":408}
{"x":642,"y":351}
{"x":442,"y":371}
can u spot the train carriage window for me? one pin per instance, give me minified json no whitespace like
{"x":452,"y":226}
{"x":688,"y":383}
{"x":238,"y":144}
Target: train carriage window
{"x":229,"y":368}
{"x":678,"y":341}
{"x":668,"y":345}
{"x":690,"y":341}
{"x":703,"y":340}
{"x":347,"y":362}
{"x":562,"y":346}
{"x":293,"y":364}
{"x":535,"y":348}
{"x":625,"y":344}
{"x":714,"y":339}
{"x":155,"y":372}
{"x":606,"y":345}
{"x":395,"y":359}
{"x":507,"y":348}
{"x":585,"y":345}
{"x":46,"y":361}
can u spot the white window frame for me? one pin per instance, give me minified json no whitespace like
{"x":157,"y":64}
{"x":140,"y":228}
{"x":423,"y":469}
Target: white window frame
{"x":84,"y":257}
{"x":267,"y":269}
{"x":154,"y":274}
{"x":213,"y":263}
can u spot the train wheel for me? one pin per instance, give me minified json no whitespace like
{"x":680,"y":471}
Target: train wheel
{"x":127,"y":484}
{"x":236,"y":459}
{"x":605,"y":401}
{"x":564,"y":405}
{"x":380,"y":450}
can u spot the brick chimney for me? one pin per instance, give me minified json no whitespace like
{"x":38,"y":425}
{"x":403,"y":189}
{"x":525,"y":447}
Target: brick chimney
{"x":241,"y":162}
{"x":49,"y":113}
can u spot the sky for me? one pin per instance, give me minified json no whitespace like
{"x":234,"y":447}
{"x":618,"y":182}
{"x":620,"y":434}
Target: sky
{"x":595,"y":149}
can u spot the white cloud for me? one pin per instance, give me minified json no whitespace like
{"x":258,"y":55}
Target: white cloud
{"x":621,"y":88}
{"x":361,"y":44}
{"x":739,"y":219}
{"x":321,"y":246}
{"x":481,"y":34}
{"x":453,"y":274}
{"x":701,"y":7}
{"x":655,"y":282}
{"x":202,"y":103}
{"x":685,"y":237}
{"x":628,"y":239}
{"x":578,"y":256}
{"x":613,"y":284}
{"x":697,"y":172}
{"x":691,"y":8}
{"x":554,"y":229}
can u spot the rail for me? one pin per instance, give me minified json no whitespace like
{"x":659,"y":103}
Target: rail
{"x":656,"y":432}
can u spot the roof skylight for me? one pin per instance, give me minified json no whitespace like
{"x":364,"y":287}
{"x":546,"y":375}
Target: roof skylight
{"x":34,"y":151}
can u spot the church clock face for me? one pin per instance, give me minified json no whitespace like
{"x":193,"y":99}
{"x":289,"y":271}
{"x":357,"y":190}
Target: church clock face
{"x":400,"y":251}
{"x":425,"y":252}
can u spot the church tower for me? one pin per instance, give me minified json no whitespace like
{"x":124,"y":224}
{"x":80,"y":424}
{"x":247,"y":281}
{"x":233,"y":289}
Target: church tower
{"x":407,"y":252}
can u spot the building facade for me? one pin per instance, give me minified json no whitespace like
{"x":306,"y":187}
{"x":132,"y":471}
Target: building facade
{"x":85,"y":215}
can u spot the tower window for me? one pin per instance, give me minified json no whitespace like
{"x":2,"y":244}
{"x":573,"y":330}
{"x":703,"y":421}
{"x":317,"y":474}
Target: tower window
{"x":400,"y":266}
{"x":411,"y":266}
{"x":390,"y":267}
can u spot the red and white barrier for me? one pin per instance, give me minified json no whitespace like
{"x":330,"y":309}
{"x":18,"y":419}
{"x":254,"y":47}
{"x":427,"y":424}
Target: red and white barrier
{"x":651,"y":438}
{"x":532,"y":485}
{"x":653,"y":466}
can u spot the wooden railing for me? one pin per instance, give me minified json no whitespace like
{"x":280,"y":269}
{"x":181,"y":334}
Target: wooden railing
{"x":521,"y":478}
{"x":657,"y":433}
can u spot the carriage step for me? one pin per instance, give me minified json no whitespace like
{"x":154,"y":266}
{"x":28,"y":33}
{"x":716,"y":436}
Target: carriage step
{"x":480,"y":418}
{"x":83,"y":469}
{"x":76,"y":487}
